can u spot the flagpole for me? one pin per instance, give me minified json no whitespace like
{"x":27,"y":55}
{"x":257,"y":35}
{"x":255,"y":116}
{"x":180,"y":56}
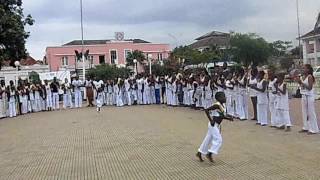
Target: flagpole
{"x":82,"y":43}
{"x":299,"y":31}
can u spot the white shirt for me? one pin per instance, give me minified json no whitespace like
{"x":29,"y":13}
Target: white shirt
{"x":77,"y":85}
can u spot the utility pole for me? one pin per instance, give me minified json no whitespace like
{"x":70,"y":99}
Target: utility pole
{"x":82,"y":42}
{"x":299,"y":31}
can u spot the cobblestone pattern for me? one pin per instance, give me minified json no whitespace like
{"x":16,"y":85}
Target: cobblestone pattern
{"x":148,"y":142}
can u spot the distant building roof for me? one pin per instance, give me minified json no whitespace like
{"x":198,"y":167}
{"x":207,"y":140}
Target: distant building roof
{"x":97,"y":42}
{"x":214,"y":38}
{"x":29,"y":61}
{"x":312,"y":33}
{"x":213,"y":34}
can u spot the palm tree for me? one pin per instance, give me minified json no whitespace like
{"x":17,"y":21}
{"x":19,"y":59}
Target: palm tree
{"x":136,"y":54}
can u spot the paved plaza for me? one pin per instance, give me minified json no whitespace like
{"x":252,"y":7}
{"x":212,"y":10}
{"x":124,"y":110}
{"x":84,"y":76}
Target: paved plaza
{"x":150,"y":142}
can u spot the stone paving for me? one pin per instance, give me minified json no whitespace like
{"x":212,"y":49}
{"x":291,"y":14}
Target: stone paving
{"x":149,"y":142}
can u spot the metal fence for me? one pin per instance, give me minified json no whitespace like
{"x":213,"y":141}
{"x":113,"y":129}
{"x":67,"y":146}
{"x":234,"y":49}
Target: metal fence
{"x":293,"y":86}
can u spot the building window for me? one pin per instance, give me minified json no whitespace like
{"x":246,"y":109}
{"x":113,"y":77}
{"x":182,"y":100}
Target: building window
{"x":126,"y":53}
{"x":113,"y":56}
{"x":90,"y":59}
{"x":102,"y":59}
{"x":160,"y":57}
{"x":64,"y":61}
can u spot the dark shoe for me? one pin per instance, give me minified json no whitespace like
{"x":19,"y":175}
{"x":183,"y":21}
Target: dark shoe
{"x":199,"y":156}
{"x":282,"y":127}
{"x":209,"y":156}
{"x":258,"y":124}
{"x":288,"y":129}
{"x":303,"y":131}
{"x":310,"y":133}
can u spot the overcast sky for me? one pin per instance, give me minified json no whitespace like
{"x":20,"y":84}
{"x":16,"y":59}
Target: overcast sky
{"x":177,"y":22}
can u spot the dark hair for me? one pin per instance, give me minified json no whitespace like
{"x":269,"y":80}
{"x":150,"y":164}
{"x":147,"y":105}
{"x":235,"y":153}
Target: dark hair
{"x":261,"y":74}
{"x":219,"y":95}
{"x":310,"y":70}
{"x":254,"y":71}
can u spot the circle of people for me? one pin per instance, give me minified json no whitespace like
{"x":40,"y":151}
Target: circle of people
{"x":267,"y":91}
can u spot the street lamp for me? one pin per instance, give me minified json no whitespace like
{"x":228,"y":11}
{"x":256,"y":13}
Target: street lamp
{"x":135,"y":66}
{"x":17,"y":65}
{"x":149,"y":59}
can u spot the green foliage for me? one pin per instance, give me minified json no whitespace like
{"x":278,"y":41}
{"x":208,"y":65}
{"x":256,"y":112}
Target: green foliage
{"x":193,"y":56}
{"x":107,"y":71}
{"x":34,"y":77}
{"x":249,"y":49}
{"x":138,"y":55}
{"x":280,"y":48}
{"x":168,"y":67}
{"x":286,"y":63}
{"x":12,"y":31}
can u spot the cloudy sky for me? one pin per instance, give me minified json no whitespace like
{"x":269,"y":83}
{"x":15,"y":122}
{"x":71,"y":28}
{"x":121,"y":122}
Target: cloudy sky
{"x":177,"y":22}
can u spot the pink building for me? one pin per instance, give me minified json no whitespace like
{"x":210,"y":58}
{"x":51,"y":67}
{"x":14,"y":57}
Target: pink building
{"x":102,"y":52}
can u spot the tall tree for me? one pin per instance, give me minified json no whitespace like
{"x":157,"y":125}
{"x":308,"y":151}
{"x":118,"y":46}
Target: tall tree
{"x":136,"y":54}
{"x":12,"y":31}
{"x":249,"y":49}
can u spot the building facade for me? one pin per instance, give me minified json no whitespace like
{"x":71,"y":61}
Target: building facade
{"x":216,"y":39}
{"x":102,"y":52}
{"x":311,"y":45}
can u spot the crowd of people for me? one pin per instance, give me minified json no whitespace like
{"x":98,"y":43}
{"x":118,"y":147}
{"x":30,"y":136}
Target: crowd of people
{"x":266,"y":90}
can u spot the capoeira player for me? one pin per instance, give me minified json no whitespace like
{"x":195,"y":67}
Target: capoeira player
{"x":215,"y":114}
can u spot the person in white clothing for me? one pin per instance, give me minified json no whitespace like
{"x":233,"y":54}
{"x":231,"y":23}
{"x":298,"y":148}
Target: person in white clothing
{"x":229,"y":96}
{"x":215,"y":114}
{"x":127,"y":87}
{"x":262,"y":99}
{"x":310,"y":123}
{"x":67,"y":94}
{"x":282,"y":104}
{"x":55,"y":94}
{"x":3,"y":100}
{"x":140,"y":84}
{"x":118,"y":90}
{"x":12,"y":93}
{"x":252,"y":92}
{"x":272,"y":93}
{"x":77,"y":84}
{"x":99,"y":98}
{"x":49,"y":95}
{"x":242,"y":105}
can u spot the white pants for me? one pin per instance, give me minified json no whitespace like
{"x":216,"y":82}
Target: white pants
{"x":214,"y":137}
{"x":273,"y":111}
{"x":309,"y":115}
{"x":109,"y":99}
{"x":262,"y":113}
{"x":169,"y":97}
{"x":77,"y":99}
{"x":67,"y":101}
{"x":12,"y":107}
{"x":140,"y":97}
{"x":207,"y":103}
{"x":49,"y":101}
{"x":129,"y":101}
{"x":284,"y":118}
{"x":55,"y":100}
{"x":242,"y":106}
{"x":146,"y":98}
{"x":186,"y":99}
{"x":29,"y":106}
{"x":24,"y":107}
{"x":174,"y":99}
{"x":119,"y":100}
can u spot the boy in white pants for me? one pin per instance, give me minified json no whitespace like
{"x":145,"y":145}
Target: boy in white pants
{"x":215,"y":114}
